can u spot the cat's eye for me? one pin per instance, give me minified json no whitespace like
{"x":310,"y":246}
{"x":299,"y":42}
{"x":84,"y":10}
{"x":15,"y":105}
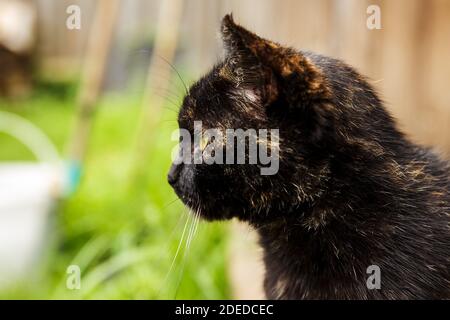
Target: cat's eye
{"x":203,"y":142}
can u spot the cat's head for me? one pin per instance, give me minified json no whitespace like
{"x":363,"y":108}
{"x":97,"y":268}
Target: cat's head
{"x":262,"y":85}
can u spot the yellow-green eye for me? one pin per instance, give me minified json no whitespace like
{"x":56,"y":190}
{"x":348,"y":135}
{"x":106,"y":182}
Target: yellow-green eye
{"x":203,"y":142}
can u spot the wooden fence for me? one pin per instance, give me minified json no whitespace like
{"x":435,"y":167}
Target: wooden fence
{"x":408,"y":59}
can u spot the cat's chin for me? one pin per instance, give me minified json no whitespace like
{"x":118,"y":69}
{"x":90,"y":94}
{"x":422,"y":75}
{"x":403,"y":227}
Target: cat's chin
{"x":209,"y":214}
{"x":216,"y":216}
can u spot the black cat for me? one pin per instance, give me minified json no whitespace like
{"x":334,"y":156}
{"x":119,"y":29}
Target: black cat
{"x":351,"y":191}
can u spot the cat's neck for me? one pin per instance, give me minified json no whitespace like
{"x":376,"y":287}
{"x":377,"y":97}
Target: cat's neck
{"x":331,"y":239}
{"x":317,"y":250}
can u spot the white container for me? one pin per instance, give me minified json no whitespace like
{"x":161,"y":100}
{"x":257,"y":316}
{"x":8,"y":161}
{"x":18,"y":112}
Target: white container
{"x":27,"y":193}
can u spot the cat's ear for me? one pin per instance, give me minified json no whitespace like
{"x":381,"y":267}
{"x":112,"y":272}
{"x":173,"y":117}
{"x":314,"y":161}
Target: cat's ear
{"x":243,"y":67}
{"x":237,"y":40}
{"x":268,"y":71}
{"x":250,"y":56}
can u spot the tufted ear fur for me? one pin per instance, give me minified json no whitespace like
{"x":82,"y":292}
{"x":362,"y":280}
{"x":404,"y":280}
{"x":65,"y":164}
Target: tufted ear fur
{"x":251,"y":58}
{"x":272,"y":71}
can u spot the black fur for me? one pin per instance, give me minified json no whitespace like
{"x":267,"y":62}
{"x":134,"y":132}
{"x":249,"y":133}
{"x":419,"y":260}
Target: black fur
{"x":352,"y":191}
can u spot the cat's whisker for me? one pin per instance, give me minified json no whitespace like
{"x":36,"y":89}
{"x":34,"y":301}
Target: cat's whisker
{"x":170,"y":101}
{"x":178,"y":74}
{"x":176,"y":110}
{"x":173,"y":201}
{"x":176,"y":254}
{"x":191,"y":234}
{"x":169,"y":93}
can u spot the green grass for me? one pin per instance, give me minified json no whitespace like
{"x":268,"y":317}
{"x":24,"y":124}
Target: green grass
{"x":121,"y":232}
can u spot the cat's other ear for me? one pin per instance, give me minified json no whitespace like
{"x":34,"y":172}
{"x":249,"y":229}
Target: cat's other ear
{"x":295,"y":74}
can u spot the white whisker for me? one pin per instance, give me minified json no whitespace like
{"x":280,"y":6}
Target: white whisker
{"x":176,"y":253}
{"x":191,"y":234}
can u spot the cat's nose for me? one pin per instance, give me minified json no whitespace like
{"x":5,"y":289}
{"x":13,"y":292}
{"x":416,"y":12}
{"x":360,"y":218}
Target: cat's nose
{"x":174,"y":173}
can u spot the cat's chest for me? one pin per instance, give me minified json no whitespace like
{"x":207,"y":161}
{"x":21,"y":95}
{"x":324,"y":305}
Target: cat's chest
{"x":302,"y":272}
{"x":301,"y":283}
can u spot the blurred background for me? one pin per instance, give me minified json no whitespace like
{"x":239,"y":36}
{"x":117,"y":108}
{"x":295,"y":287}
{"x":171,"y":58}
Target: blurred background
{"x":89,"y":93}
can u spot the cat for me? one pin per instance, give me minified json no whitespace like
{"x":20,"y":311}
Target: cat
{"x":352,"y":192}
